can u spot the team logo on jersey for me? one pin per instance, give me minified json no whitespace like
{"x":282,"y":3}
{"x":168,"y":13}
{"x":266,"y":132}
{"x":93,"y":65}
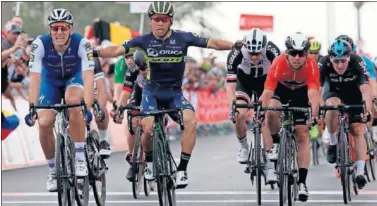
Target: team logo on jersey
{"x":90,"y":56}
{"x":31,"y":58}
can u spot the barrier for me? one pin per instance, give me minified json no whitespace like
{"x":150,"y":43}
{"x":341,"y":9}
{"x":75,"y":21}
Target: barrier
{"x":22,"y":147}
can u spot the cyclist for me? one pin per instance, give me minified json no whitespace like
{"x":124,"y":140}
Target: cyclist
{"x":247,"y":70}
{"x":132,"y":94}
{"x":345,"y":75}
{"x":314,"y":49}
{"x":101,"y":96}
{"x":166,"y":51}
{"x":120,"y":70}
{"x":61,"y":60}
{"x":294,"y":77}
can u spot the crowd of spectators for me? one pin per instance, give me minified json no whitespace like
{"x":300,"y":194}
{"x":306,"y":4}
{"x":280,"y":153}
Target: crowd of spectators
{"x":15,"y":50}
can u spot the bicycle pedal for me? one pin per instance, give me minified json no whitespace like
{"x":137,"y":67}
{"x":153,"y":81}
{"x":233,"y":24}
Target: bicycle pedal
{"x":247,"y":170}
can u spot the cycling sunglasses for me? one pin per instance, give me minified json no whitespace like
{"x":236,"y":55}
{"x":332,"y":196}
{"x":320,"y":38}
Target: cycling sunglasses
{"x":337,"y":61}
{"x":254,"y":53}
{"x":163,"y":18}
{"x":62,"y":27}
{"x":294,"y":53}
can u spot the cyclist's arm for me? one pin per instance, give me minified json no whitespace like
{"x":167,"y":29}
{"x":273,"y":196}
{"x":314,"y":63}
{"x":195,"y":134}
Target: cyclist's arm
{"x":323,"y":72}
{"x":234,"y":59}
{"x":372,"y":75}
{"x":87,"y":66}
{"x":270,"y":83}
{"x":99,"y":78}
{"x":218,"y":44}
{"x":35,"y":67}
{"x":119,"y":71}
{"x":363,"y":82}
{"x":129,"y":83}
{"x":313,"y":86}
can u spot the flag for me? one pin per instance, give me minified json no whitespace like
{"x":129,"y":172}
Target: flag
{"x":9,"y":122}
{"x":114,"y":32}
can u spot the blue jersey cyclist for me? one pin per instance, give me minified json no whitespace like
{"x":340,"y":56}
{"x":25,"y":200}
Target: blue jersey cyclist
{"x":61,"y":65}
{"x":166,"y":51}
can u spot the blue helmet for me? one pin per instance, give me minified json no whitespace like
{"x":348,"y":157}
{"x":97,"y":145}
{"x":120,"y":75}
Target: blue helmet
{"x":340,"y":48}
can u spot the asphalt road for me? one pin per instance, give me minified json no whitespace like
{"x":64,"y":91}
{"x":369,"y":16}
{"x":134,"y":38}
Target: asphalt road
{"x":215,"y":179}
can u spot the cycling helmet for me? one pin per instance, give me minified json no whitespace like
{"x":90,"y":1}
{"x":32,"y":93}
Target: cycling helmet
{"x":340,"y":48}
{"x":347,"y":39}
{"x":139,"y":60}
{"x":60,"y":15}
{"x":297,"y":41}
{"x":161,"y":7}
{"x":315,"y":45}
{"x":256,"y":41}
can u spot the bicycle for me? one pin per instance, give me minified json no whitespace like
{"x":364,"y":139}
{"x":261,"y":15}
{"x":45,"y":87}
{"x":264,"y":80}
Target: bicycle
{"x":138,"y":158}
{"x":344,"y":163}
{"x":96,"y":166}
{"x":287,"y":160}
{"x":314,"y":142}
{"x":163,"y":162}
{"x":64,"y":151}
{"x":256,"y":165}
{"x":370,"y":164}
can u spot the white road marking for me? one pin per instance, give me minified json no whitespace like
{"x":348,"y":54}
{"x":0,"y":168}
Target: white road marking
{"x":23,"y":194}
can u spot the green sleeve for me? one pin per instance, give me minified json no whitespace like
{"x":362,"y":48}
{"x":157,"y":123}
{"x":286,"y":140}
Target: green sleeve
{"x":120,"y":71}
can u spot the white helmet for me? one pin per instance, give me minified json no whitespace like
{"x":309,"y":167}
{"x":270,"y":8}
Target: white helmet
{"x":60,"y":15}
{"x":297,"y":41}
{"x":256,"y":41}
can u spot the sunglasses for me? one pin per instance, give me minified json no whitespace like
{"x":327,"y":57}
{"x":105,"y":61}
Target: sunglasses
{"x":294,"y":53}
{"x":164,"y":19}
{"x":62,"y":27}
{"x":254,"y":53}
{"x":314,"y":53}
{"x":337,"y":61}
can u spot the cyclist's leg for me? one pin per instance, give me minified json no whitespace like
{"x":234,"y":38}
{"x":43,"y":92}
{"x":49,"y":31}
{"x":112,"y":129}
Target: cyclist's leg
{"x":148,"y":103}
{"x":49,"y":94}
{"x":358,"y":131}
{"x":273,"y":122}
{"x":332,"y":121}
{"x":103,"y":125}
{"x":243,"y":97}
{"x":188,"y":137}
{"x":299,"y":98}
{"x":135,"y":100}
{"x":73,"y":95}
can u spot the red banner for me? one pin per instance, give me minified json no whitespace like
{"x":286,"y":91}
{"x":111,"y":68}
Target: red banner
{"x":250,"y":21}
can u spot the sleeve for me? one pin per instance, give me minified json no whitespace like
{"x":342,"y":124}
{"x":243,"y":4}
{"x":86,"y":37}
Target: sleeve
{"x":130,"y":79}
{"x":98,"y":73}
{"x":119,"y":71}
{"x":86,"y":54}
{"x":272,"y":76}
{"x":195,"y":40}
{"x":132,"y":44}
{"x":313,"y":80}
{"x":370,"y":67}
{"x":323,"y":70}
{"x":272,"y":51}
{"x":234,"y":59}
{"x":361,"y":70}
{"x":36,"y":55}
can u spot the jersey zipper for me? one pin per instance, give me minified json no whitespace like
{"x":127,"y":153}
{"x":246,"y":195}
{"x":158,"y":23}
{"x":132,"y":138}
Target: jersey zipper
{"x":294,"y":79}
{"x":61,"y":58}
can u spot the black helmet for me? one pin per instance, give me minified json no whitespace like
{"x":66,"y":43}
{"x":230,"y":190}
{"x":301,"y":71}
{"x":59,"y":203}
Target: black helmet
{"x":140,"y":61}
{"x":161,"y":7}
{"x":347,"y":39}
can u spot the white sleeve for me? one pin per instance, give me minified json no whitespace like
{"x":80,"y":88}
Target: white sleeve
{"x":86,"y":54}
{"x":36,"y":55}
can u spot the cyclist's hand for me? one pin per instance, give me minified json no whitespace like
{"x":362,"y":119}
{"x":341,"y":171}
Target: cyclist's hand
{"x":32,"y":116}
{"x":238,"y":45}
{"x":100,"y":115}
{"x":365,"y":117}
{"x":118,"y":117}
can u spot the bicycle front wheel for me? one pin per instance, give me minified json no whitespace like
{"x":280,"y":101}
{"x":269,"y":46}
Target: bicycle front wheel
{"x":344,"y":176}
{"x":257,"y":156}
{"x":283,"y":178}
{"x":158,"y":164}
{"x":137,"y":157}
